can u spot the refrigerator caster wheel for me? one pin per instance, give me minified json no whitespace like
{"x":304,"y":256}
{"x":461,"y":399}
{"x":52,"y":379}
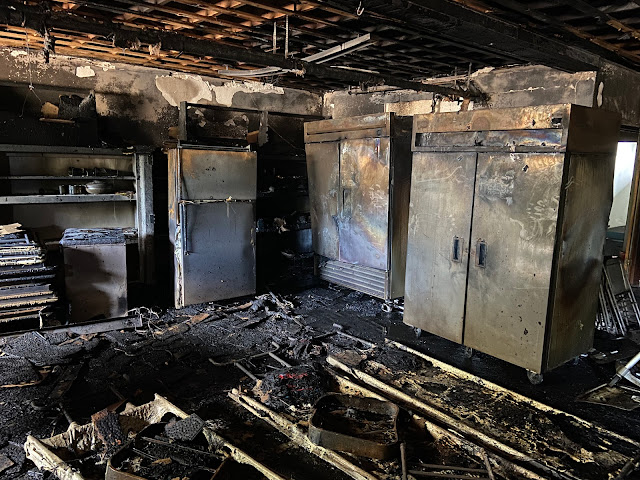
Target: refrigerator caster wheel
{"x":534,"y":378}
{"x":417,"y":332}
{"x":468,"y":352}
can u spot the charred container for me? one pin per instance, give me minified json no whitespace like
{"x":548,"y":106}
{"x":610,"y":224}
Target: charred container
{"x":359,"y":171}
{"x":507,"y":222}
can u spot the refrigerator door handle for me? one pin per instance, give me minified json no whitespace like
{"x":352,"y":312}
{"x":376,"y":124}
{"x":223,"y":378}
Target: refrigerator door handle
{"x":481,"y":254}
{"x":456,"y":249}
{"x":346,"y":202}
{"x":183,"y":228}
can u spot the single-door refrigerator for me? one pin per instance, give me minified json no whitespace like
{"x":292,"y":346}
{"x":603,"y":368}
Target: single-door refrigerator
{"x":212,"y":193}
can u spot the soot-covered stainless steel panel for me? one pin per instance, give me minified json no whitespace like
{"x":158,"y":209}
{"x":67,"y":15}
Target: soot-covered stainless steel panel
{"x":363,"y":221}
{"x":323,"y":171}
{"x":442,"y":189}
{"x":515,"y":213}
{"x":217,"y":174}
{"x":587,"y":205}
{"x":219,"y":251}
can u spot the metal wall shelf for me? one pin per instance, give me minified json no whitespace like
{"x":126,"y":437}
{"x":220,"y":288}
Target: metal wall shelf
{"x":63,"y":177}
{"x":88,"y":198}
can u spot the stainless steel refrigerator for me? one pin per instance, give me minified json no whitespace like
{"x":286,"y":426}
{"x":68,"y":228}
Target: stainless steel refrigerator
{"x":212,"y":193}
{"x":507,"y":222}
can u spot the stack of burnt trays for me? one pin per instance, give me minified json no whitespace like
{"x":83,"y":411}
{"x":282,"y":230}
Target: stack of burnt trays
{"x":617,"y":309}
{"x":25,"y":281}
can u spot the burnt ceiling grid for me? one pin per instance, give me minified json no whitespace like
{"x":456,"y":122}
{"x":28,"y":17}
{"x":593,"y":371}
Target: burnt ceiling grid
{"x":414,"y":39}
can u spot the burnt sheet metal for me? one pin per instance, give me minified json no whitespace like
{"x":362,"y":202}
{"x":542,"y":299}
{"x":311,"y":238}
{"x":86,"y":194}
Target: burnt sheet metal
{"x":438,"y":242}
{"x":515,"y":213}
{"x":25,"y":282}
{"x":508,"y":140}
{"x":539,"y":211}
{"x":96,"y":280}
{"x":581,"y":236}
{"x":624,"y":398}
{"x":504,"y":119}
{"x":97,"y":236}
{"x":217,"y":174}
{"x":358,"y":215}
{"x":363,"y":219}
{"x":323,"y":171}
{"x":186,"y":429}
{"x":219,"y":252}
{"x":212,"y":223}
{"x":18,"y":249}
{"x":364,"y":279}
{"x":358,"y":425}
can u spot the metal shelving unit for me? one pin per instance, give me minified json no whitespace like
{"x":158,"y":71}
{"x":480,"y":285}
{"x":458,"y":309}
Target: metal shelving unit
{"x":62,"y":177}
{"x":136,"y":177}
{"x":84,"y":198}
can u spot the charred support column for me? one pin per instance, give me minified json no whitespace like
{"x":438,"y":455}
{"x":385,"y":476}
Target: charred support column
{"x":145,"y":218}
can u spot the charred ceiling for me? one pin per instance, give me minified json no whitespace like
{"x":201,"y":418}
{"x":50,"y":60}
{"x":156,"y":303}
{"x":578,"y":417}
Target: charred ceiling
{"x":410,"y":41}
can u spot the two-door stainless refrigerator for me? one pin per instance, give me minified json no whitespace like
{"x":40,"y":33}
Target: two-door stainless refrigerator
{"x":507,"y":221}
{"x":359,"y":171}
{"x":212,"y":193}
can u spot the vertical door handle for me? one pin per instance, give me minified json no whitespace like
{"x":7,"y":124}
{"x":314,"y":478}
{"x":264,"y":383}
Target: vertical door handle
{"x":481,"y":254}
{"x":456,"y":250}
{"x":183,"y":228}
{"x":346,"y":202}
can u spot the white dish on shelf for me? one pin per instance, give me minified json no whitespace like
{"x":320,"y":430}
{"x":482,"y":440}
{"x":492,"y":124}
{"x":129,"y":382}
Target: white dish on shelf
{"x":98,"y":186}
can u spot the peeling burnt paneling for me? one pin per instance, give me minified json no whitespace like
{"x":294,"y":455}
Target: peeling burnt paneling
{"x":135,"y":104}
{"x":507,"y":87}
{"x":618,"y":89}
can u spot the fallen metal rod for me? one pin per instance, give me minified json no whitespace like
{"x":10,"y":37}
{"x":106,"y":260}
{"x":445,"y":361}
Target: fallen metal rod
{"x":298,"y":436}
{"x":461,"y":374}
{"x":353,"y":337}
{"x":488,"y":465}
{"x":177,"y":446}
{"x":276,"y":347}
{"x":450,"y":467}
{"x":506,"y":467}
{"x":279,"y":360}
{"x":403,"y":459}
{"x":418,"y":473}
{"x":430,"y":411}
{"x":245,"y":371}
{"x":630,"y":466}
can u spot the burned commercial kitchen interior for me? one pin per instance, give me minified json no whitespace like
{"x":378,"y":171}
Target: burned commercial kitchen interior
{"x":319,"y":239}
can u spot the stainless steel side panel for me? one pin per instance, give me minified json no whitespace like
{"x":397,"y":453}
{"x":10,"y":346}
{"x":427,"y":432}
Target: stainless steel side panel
{"x":173,"y":156}
{"x":323,"y":171}
{"x":439,"y":212}
{"x":219,"y":251}
{"x":363,"y":220}
{"x":588,"y":197}
{"x":217,"y":174}
{"x":515,"y":214}
{"x":96,"y":280}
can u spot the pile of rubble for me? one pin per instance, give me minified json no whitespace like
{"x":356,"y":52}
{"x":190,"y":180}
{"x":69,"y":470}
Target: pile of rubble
{"x":266,"y":391}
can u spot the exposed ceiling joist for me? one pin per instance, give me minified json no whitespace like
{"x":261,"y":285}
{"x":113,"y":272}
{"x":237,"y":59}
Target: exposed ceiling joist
{"x":19,"y":15}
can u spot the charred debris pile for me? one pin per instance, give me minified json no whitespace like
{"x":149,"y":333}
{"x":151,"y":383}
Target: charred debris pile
{"x":267,"y":389}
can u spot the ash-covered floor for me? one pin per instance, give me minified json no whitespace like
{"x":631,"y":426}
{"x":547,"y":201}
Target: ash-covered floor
{"x":188,"y":356}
